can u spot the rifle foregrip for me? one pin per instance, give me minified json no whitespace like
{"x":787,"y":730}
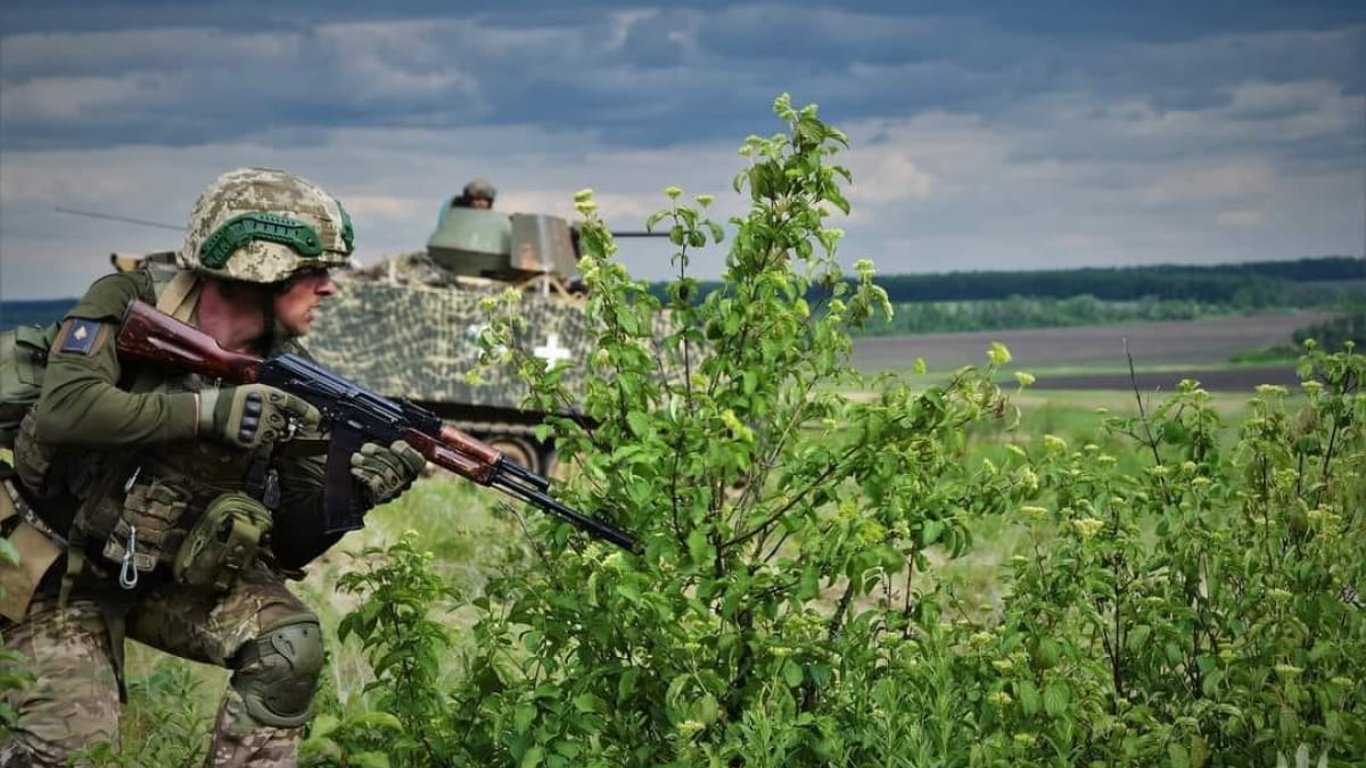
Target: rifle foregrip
{"x":457,"y":452}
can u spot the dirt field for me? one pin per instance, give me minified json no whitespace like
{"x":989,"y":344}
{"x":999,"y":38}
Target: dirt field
{"x":1183,"y":349}
{"x":1223,"y":380}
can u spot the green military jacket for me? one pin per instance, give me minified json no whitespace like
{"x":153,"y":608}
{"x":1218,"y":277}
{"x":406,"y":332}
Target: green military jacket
{"x":138,"y":425}
{"x":82,"y":404}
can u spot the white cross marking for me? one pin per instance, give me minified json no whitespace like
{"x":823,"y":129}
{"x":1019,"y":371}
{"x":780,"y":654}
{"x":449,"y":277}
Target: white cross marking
{"x":552,"y":352}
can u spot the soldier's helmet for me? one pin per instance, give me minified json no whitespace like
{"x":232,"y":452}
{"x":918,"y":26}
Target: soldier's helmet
{"x":480,"y":189}
{"x":262,"y":225}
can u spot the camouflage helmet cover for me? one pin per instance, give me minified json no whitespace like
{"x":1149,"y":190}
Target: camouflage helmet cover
{"x":480,"y":189}
{"x":262,"y":225}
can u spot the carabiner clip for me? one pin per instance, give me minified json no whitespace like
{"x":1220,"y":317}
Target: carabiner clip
{"x":128,"y":573}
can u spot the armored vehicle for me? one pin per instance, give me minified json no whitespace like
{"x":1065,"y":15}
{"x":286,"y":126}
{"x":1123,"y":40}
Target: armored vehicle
{"x":408,"y":326}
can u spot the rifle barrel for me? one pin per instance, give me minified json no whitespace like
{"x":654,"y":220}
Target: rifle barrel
{"x":589,"y":525}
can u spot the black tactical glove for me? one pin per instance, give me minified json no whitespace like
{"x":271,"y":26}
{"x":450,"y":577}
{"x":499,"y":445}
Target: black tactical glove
{"x":252,"y":414}
{"x":387,"y":472}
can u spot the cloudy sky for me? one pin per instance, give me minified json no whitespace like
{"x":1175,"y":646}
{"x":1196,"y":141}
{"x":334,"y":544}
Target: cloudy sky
{"x":997,"y":134}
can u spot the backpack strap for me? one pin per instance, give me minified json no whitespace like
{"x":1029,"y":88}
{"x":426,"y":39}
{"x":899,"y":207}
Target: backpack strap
{"x":178,"y":296}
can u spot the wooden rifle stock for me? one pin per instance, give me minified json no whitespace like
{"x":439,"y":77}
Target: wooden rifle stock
{"x":150,"y":336}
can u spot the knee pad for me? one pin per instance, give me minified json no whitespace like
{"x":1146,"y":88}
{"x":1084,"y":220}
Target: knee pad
{"x":277,"y":672}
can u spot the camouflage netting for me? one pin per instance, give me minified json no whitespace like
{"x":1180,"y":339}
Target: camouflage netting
{"x":406,"y":329}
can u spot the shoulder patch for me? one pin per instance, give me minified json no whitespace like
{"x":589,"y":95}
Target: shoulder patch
{"x":83,"y":337}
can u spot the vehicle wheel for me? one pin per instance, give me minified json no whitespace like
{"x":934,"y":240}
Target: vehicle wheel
{"x":519,"y":450}
{"x":555,"y":469}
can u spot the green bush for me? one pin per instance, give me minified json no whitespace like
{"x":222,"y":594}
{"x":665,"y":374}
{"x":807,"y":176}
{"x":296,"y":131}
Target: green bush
{"x":785,"y":607}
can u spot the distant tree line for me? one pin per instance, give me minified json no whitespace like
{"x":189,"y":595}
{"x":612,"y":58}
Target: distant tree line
{"x":1251,"y":284}
{"x":1246,"y":285}
{"x":973,"y":301}
{"x":1031,"y":312}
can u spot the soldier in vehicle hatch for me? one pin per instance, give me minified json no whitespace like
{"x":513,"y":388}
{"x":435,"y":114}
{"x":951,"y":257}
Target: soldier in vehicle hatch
{"x":182,"y":523}
{"x":476,"y":194}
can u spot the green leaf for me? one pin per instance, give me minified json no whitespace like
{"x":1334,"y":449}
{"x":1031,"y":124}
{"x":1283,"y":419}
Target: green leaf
{"x":522,"y":717}
{"x":1199,"y":751}
{"x":1028,"y":694}
{"x":699,"y":548}
{"x":587,"y":702}
{"x":322,"y":725}
{"x":639,"y":423}
{"x":533,"y":757}
{"x":370,"y":760}
{"x":1055,"y":699}
{"x":1210,"y":684}
{"x":792,"y":673}
{"x":707,"y":709}
{"x":1173,"y":652}
{"x":629,"y":590}
{"x":929,"y":534}
{"x":626,"y":686}
{"x":374,"y":719}
{"x":325,"y":748}
{"x":810,"y":585}
{"x":838,"y":201}
{"x":1138,"y":637}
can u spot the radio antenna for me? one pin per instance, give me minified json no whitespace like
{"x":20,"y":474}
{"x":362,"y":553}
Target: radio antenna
{"x":124,"y":219}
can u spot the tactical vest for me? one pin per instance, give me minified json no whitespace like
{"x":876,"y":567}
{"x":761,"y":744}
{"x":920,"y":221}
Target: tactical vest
{"x":131,"y":510}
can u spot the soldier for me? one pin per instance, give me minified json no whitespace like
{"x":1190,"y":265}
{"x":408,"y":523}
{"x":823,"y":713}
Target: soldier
{"x":476,"y":194}
{"x":186,"y":522}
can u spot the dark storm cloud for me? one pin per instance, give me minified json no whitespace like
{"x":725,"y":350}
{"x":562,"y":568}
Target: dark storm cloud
{"x":1161,"y":20}
{"x":181,"y":74}
{"x":980,"y":62}
{"x":986,"y":134}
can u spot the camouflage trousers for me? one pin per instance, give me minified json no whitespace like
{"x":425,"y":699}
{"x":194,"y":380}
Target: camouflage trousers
{"x":73,"y":703}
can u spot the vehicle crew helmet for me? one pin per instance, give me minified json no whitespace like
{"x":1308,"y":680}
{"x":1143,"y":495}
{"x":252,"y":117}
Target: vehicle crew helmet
{"x":480,"y":189}
{"x":261,"y":225}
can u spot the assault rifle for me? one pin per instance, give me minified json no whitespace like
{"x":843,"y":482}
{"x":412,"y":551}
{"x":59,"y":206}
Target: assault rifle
{"x":353,"y":415}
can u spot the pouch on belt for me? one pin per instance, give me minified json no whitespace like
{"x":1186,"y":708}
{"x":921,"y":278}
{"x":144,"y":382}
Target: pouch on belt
{"x":31,"y":552}
{"x":223,"y":543}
